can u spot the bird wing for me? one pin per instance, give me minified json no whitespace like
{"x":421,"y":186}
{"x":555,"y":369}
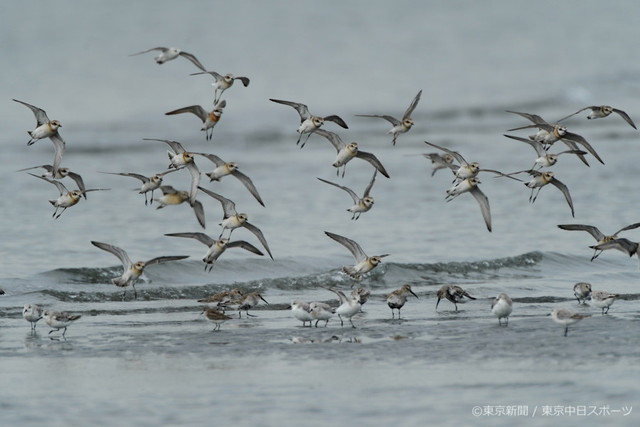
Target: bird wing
{"x":628,"y":227}
{"x":60,"y":186}
{"x":199,"y":211}
{"x":149,"y":50}
{"x":175,"y":145}
{"x":215,"y":75}
{"x":626,"y":117}
{"x":412,"y":106}
{"x":228,"y":206}
{"x":213,"y":158}
{"x":353,"y":195}
{"x":540,"y":151}
{"x":194,"y":109}
{"x":370,"y":186}
{"x":337,"y":120}
{"x":200,"y":237}
{"x":193,"y":59}
{"x":352,"y":246}
{"x":244,"y":179}
{"x":483,"y":201}
{"x":244,"y":245}
{"x":591,"y":229}
{"x":565,"y":191}
{"x":302,"y":109}
{"x":580,"y":140}
{"x":333,"y":138}
{"x":390,"y":119}
{"x":142,"y":178}
{"x":245,"y":80}
{"x":195,"y":181}
{"x":255,"y":230}
{"x":58,"y":145}
{"x":455,"y":154}
{"x":369,"y":157}
{"x":118,"y":252}
{"x":41,"y":116}
{"x":161,"y":259}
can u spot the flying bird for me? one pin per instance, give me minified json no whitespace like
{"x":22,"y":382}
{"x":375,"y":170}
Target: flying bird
{"x":364,"y":263}
{"x":169,"y":53}
{"x":597,"y":234}
{"x":600,"y":111}
{"x":361,"y":204}
{"x":399,"y":126}
{"x":346,"y":152}
{"x":222,"y":83}
{"x":209,"y":118}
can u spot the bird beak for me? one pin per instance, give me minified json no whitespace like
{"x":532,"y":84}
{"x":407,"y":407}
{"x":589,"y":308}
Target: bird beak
{"x":264,"y":300}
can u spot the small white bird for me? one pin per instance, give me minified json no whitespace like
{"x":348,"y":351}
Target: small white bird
{"x":232,"y":219}
{"x":59,"y":319}
{"x":349,"y":306}
{"x":603,"y":300}
{"x":67,"y":198}
{"x":453,"y":293}
{"x":346,"y":152}
{"x":32,"y":313}
{"x":364,"y":263}
{"x":502,"y":307}
{"x":308,"y":122}
{"x":399,"y":126}
{"x":62,"y":173}
{"x":301,"y":311}
{"x":172,"y":197}
{"x":597,"y":234}
{"x":169,"y":53}
{"x":544,"y":158}
{"x":566,"y":318}
{"x":361,"y":204}
{"x":582,"y":292}
{"x":222,"y":83}
{"x":149,"y":183}
{"x":180,"y":158}
{"x":132,"y":271}
{"x":230,"y":168}
{"x":46,"y":128}
{"x":397,"y":299}
{"x":321,"y":311}
{"x":216,"y":247}
{"x":600,"y":111}
{"x":209,"y":118}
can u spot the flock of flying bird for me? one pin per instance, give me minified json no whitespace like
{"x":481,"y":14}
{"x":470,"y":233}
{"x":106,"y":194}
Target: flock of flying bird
{"x":465,"y":180}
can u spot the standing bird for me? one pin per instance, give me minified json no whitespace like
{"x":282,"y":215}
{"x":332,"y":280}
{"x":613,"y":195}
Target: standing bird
{"x":67,"y":198}
{"x":222,"y":83}
{"x":232,"y":219}
{"x":321,"y":311}
{"x":502,"y":307}
{"x":169,"y":53}
{"x":230,"y":168}
{"x":600,"y":111}
{"x":216,"y":317}
{"x":62,"y":173}
{"x":46,"y":128}
{"x":397,"y":299}
{"x":132,"y":271}
{"x":248,"y":302}
{"x":603,"y":300}
{"x":180,"y":158}
{"x":361,"y":204}
{"x":399,"y":126}
{"x":224,"y":298}
{"x":149,"y":183}
{"x":346,"y":152}
{"x":301,"y":311}
{"x":59,"y":319}
{"x":349,"y":306}
{"x":209,"y":118}
{"x":453,"y":293}
{"x":597,"y":234}
{"x":582,"y":292}
{"x":216,"y":247}
{"x":308,"y":122}
{"x":364,"y":263}
{"x":171,"y":197}
{"x":32,"y":313}
{"x":566,"y":318}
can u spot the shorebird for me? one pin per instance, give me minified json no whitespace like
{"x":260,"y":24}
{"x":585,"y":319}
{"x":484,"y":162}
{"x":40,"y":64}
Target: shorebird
{"x":397,"y":299}
{"x":597,"y":234}
{"x":223,"y":169}
{"x":216,"y":247}
{"x":222,"y":83}
{"x":301,"y":311}
{"x":209,"y":118}
{"x":544,"y":158}
{"x":550,"y":133}
{"x":248,"y":302}
{"x":132,"y":271}
{"x":502,"y":307}
{"x":59,"y":319}
{"x":346,"y":152}
{"x":232,"y":219}
{"x":349,"y":306}
{"x":540,"y":179}
{"x":62,"y":173}
{"x":566,"y":318}
{"x":582,"y":292}
{"x":600,"y":111}
{"x":308,"y":122}
{"x":399,"y":126}
{"x":180,"y":158}
{"x":321,"y":311}
{"x":438,"y":161}
{"x":470,"y":185}
{"x":149,"y":183}
{"x":364,"y":263}
{"x":603,"y":300}
{"x":216,"y":317}
{"x":171,"y":197}
{"x":46,"y":128}
{"x":623,"y":245}
{"x":169,"y":53}
{"x":32,"y":313}
{"x":453,"y":293}
{"x":224,"y":298}
{"x":67,"y":198}
{"x":361,"y":204}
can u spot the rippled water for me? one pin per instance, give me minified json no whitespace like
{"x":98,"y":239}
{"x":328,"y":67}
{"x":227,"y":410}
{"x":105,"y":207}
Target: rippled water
{"x":154,"y":360}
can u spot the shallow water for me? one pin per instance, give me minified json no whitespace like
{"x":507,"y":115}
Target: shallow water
{"x":155,"y":360}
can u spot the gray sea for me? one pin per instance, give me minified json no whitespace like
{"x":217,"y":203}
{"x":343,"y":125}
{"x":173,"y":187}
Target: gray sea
{"x":155,"y":360}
